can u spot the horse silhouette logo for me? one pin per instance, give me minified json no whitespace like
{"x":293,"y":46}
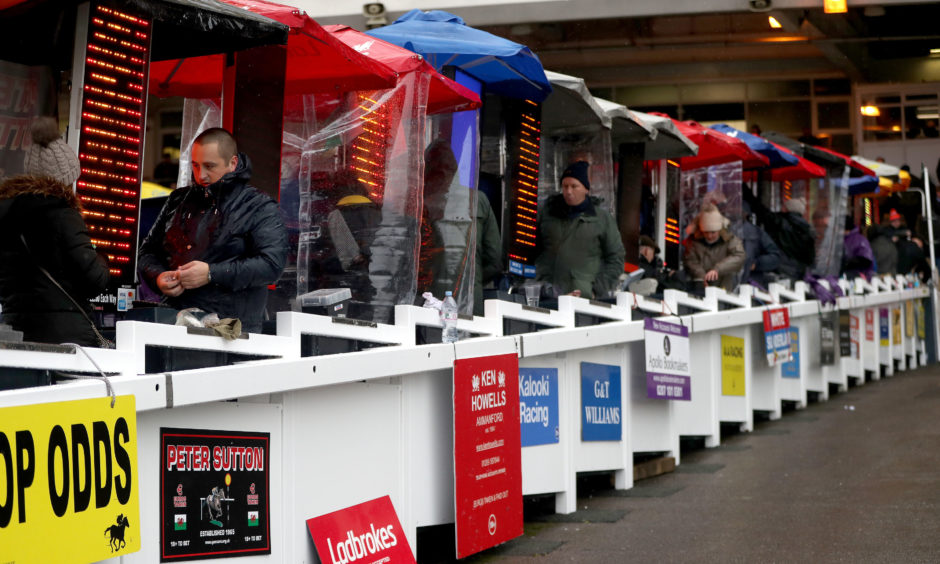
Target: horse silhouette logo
{"x":117,"y":533}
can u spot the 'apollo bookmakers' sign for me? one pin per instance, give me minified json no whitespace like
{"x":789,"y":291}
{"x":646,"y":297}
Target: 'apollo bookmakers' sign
{"x":668,"y":370}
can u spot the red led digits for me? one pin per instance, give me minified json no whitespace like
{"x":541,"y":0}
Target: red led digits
{"x":110,"y":144}
{"x":524,"y":183}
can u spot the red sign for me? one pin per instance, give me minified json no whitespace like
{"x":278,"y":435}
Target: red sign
{"x":775,"y":319}
{"x":369,"y":532}
{"x":487,"y":452}
{"x":869,"y":325}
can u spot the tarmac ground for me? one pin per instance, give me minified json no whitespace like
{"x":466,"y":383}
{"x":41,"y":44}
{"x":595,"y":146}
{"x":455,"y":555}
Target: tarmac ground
{"x":852,"y":479}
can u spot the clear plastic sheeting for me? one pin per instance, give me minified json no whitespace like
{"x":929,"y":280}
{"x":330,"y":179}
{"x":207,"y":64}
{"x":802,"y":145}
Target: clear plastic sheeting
{"x":359,"y":195}
{"x":198,"y":116}
{"x":450,"y":204}
{"x":719,"y":185}
{"x":590,"y":144}
{"x":827,"y":203}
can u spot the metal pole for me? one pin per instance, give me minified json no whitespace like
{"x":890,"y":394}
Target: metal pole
{"x":928,"y":198}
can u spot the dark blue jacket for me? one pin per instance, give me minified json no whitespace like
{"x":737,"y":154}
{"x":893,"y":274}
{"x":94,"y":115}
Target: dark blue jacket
{"x":231,"y":226}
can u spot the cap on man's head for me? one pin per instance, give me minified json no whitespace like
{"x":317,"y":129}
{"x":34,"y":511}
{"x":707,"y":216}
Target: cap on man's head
{"x":711,"y":219}
{"x":647,"y":241}
{"x":894,"y":215}
{"x":578,"y":171}
{"x":795,"y":205}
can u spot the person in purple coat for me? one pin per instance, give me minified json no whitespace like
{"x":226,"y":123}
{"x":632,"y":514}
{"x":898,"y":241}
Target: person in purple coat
{"x":857,"y":256}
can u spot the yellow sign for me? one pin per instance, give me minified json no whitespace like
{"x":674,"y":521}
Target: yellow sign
{"x":896,"y":326}
{"x":68,"y":481}
{"x":732,"y":366}
{"x":921,"y":325}
{"x":909,"y":318}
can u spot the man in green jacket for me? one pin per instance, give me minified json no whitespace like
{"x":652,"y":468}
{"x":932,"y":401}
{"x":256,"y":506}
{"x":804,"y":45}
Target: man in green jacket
{"x":579,"y":247}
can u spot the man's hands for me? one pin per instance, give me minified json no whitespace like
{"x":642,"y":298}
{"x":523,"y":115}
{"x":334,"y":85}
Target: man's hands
{"x":191,"y":275}
{"x":711,"y":275}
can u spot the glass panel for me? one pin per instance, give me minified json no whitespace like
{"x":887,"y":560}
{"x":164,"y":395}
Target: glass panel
{"x":921,"y":97}
{"x":713,"y":112}
{"x":789,"y":118}
{"x":882,"y":98}
{"x":886,"y":127}
{"x":831,"y":86}
{"x":711,"y":92}
{"x":921,"y":121}
{"x":646,"y":95}
{"x":774,"y":90}
{"x":833,"y":115}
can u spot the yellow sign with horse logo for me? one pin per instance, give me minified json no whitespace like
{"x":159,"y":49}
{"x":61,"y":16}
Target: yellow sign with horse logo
{"x":68,"y":481}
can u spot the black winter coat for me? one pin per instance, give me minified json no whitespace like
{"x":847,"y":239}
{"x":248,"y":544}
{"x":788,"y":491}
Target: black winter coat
{"x":46,"y":213}
{"x":231,"y":226}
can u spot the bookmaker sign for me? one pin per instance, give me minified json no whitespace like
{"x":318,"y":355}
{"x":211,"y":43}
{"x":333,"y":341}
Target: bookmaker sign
{"x":487,"y":452}
{"x":368,"y":533}
{"x":777,"y":335}
{"x":213,"y":494}
{"x":668,"y":370}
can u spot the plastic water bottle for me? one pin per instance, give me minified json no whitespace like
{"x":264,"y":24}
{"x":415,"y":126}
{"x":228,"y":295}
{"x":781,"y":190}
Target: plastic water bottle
{"x":449,"y":318}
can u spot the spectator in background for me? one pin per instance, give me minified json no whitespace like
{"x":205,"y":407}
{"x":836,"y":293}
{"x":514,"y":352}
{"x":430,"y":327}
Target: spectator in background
{"x":762,"y":254}
{"x":883,"y":248}
{"x":167,"y":172}
{"x":793,"y":234}
{"x":857,"y":256}
{"x":713,"y":255}
{"x":579,"y":249}
{"x":911,"y":257}
{"x":755,"y":129}
{"x":896,"y":228}
{"x":651,"y":264}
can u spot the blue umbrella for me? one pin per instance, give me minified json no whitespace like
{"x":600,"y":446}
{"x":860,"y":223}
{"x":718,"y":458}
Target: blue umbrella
{"x":777,"y":157}
{"x":507,"y":68}
{"x":860,"y":185}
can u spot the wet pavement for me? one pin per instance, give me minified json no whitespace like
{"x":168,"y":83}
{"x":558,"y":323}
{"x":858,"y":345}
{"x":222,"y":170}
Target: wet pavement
{"x":854,"y":479}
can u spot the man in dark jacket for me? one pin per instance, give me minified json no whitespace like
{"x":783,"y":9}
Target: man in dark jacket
{"x":216,"y":245}
{"x":45,"y":213}
{"x":579,"y":248}
{"x":762,"y":254}
{"x":789,"y":229}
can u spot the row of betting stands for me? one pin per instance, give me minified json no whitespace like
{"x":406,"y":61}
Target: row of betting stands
{"x":330,"y":412}
{"x":398,"y":419}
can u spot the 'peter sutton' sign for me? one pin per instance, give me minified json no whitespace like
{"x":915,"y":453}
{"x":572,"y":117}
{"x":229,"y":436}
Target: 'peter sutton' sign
{"x":487,"y":452}
{"x":668,"y":370}
{"x":368,"y":533}
{"x":68,"y":481}
{"x":214,"y":498}
{"x":538,"y":406}
{"x":777,"y":335}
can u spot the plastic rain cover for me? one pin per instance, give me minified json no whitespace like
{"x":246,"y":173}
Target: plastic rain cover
{"x":717,"y":184}
{"x":826,"y":202}
{"x":359,"y":194}
{"x":591,"y":144}
{"x":450,"y":208}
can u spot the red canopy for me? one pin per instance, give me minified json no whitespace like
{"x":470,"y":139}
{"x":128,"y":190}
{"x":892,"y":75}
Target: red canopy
{"x":445,"y":95}
{"x":860,"y":169}
{"x":801,"y":171}
{"x":316,"y":62}
{"x":716,"y":148}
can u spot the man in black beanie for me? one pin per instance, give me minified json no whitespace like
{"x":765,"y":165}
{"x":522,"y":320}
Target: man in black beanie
{"x":579,"y":250}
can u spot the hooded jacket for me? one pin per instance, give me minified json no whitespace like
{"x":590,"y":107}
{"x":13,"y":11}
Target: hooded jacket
{"x":584,"y":252}
{"x":726,"y":255}
{"x":231,"y":226}
{"x":47,"y":214}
